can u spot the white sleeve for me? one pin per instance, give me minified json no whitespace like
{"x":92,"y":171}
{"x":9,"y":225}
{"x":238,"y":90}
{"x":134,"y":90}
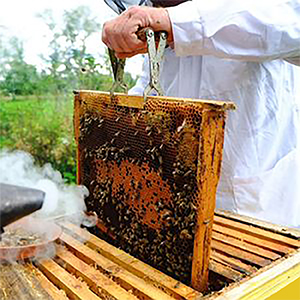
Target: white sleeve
{"x":143,"y":80}
{"x":254,"y":30}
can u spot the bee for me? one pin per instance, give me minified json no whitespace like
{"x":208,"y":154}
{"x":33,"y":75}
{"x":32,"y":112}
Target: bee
{"x":187,"y":173}
{"x":184,"y":234}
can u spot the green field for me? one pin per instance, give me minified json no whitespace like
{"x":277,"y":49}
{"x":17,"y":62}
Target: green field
{"x":42,"y":126}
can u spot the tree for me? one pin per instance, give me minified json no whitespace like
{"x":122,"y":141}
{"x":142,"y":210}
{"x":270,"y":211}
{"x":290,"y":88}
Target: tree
{"x":69,"y":65}
{"x":18,"y":77}
{"x":69,"y":62}
{"x":54,"y":62}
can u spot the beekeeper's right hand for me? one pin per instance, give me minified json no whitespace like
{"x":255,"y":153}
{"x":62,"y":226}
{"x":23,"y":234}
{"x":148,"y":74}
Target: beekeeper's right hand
{"x":119,"y":34}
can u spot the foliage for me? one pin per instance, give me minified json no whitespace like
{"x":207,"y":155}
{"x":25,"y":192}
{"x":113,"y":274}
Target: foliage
{"x":19,"y":78}
{"x":69,"y":65}
{"x":69,"y":62}
{"x":31,"y":117}
{"x":42,"y":127}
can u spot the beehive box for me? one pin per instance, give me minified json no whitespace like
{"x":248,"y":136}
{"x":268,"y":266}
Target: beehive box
{"x":250,"y":259}
{"x":152,"y":170}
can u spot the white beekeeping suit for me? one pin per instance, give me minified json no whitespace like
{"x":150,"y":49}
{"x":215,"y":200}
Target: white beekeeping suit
{"x":121,"y":5}
{"x":247,"y":53}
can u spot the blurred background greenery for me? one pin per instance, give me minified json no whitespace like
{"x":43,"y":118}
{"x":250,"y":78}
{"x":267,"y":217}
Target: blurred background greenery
{"x":36,"y":105}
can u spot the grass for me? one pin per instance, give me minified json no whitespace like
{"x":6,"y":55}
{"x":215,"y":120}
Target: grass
{"x":42,"y":126}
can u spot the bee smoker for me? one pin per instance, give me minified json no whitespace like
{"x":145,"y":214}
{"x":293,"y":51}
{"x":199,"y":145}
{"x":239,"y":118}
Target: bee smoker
{"x":17,"y":202}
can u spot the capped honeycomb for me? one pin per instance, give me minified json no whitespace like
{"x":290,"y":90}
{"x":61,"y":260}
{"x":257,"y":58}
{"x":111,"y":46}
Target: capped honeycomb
{"x":152,"y":169}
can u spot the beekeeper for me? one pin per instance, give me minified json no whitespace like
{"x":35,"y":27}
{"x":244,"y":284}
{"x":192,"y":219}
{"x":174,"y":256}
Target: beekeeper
{"x":247,"y":52}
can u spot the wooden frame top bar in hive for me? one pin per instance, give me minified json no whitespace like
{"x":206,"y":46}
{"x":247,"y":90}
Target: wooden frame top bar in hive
{"x":86,"y":267}
{"x":152,"y":170}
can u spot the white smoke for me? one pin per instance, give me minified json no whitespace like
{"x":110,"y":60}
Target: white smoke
{"x":61,"y":200}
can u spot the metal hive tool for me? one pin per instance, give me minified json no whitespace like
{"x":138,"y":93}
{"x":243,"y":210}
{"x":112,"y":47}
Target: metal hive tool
{"x":152,"y":170}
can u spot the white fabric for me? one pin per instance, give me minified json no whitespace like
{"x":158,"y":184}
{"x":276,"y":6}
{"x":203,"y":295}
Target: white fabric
{"x":232,"y":49}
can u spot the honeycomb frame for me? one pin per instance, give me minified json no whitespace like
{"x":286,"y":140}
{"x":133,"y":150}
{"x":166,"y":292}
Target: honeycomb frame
{"x":152,"y":169}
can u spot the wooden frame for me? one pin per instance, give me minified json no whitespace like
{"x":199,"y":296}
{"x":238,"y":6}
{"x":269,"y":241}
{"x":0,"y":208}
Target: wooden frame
{"x":274,"y":276}
{"x":209,"y":162}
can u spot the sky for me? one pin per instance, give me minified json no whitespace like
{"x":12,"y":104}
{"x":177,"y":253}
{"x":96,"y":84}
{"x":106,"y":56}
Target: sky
{"x":19,"y":18}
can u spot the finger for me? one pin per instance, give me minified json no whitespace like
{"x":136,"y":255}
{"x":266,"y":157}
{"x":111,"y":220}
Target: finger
{"x":111,"y":36}
{"x":130,"y":40}
{"x":130,"y":54}
{"x":107,"y":44}
{"x":106,"y":33}
{"x":124,"y":43}
{"x":104,"y":36}
{"x":122,"y":38}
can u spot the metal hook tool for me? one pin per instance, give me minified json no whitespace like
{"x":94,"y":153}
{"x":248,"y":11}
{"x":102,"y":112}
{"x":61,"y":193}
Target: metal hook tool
{"x":155,"y":57}
{"x":118,"y":66}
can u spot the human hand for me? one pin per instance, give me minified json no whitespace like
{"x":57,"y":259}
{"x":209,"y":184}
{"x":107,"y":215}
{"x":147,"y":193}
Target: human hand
{"x":120,"y":34}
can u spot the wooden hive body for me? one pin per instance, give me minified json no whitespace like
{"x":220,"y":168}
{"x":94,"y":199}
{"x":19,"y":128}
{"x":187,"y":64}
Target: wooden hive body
{"x":250,"y":259}
{"x":152,"y":170}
